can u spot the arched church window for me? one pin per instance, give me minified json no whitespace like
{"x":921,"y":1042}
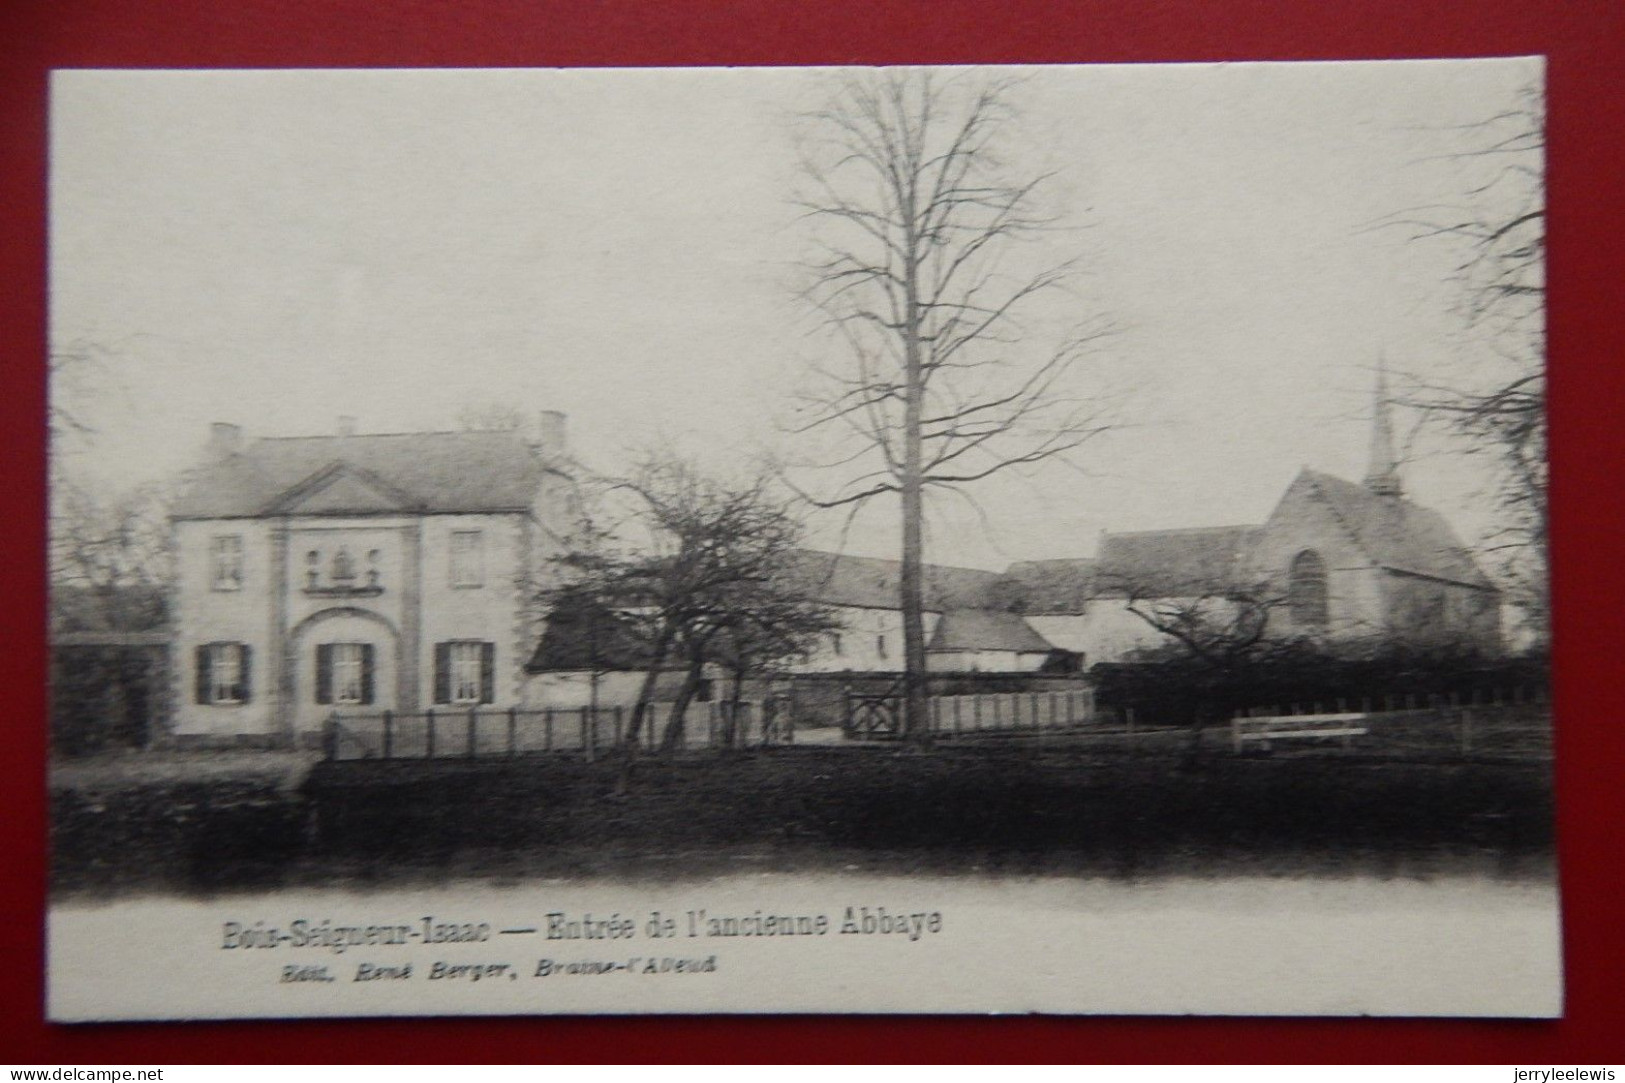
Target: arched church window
{"x":1306,"y":589}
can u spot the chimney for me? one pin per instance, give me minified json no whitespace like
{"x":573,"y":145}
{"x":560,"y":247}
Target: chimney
{"x":225,"y":440}
{"x":346,"y":425}
{"x":550,"y":434}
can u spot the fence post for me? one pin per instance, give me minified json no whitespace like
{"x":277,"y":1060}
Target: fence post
{"x":976,"y":710}
{"x":389,"y":734}
{"x":1235,"y":734}
{"x":620,"y":727}
{"x":330,"y":736}
{"x":1466,"y":733}
{"x":1032,"y":709}
{"x":547,"y":729}
{"x":473,"y":730}
{"x":589,"y":739}
{"x":513,"y":731}
{"x":428,"y":737}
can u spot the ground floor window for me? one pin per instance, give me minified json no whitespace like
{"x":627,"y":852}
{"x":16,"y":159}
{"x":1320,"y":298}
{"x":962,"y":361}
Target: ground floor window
{"x":222,"y":673}
{"x":344,"y":673}
{"x":464,"y":672}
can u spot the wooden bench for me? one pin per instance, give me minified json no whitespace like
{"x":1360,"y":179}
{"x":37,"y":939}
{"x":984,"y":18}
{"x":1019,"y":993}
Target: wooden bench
{"x":1265,"y":729}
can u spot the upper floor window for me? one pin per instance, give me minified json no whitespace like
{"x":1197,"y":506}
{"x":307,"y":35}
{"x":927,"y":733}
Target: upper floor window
{"x":467,"y":558}
{"x":1306,"y":590}
{"x":835,"y":643}
{"x":226,"y":562}
{"x":222,"y":673}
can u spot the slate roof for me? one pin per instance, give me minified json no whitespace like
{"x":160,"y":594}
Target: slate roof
{"x":1397,"y":534}
{"x":839,"y":579}
{"x":426,"y":472}
{"x":1172,"y":563}
{"x":985,"y":630}
{"x":1050,"y":586}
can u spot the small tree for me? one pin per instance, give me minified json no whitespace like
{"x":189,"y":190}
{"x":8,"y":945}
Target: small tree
{"x":1216,"y":637}
{"x":920,"y":216}
{"x":769,"y":624}
{"x":706,"y":563}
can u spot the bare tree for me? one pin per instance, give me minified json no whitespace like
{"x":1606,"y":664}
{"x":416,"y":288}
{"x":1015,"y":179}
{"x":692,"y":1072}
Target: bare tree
{"x":1497,"y":410}
{"x":1215,"y":639}
{"x":707,"y":558}
{"x":920,"y":219}
{"x":110,"y":547}
{"x":768,"y":624}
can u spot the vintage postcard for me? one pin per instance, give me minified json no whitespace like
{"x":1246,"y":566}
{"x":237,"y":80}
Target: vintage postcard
{"x":1021,"y":539}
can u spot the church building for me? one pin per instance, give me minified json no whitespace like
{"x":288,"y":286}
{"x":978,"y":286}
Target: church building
{"x":1344,"y":564}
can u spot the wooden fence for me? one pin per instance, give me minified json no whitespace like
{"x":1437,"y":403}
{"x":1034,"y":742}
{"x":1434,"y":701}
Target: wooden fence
{"x":1514,"y":725}
{"x":476,"y":733}
{"x":880,"y":717}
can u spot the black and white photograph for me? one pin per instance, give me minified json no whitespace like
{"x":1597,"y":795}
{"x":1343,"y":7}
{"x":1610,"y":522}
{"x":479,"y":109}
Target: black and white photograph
{"x":1059,"y":539}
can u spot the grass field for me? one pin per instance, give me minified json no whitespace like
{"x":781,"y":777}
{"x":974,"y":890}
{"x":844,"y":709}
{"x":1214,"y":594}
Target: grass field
{"x":1114,"y":810}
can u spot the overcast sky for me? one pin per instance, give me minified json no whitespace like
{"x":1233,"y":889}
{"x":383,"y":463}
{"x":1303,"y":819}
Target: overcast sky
{"x":276,"y":249}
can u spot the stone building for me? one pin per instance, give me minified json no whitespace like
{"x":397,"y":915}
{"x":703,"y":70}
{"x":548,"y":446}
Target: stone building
{"x":360,"y":571}
{"x":1344,"y":564}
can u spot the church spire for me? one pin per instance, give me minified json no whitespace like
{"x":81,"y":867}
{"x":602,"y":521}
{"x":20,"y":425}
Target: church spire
{"x":1382,"y":477}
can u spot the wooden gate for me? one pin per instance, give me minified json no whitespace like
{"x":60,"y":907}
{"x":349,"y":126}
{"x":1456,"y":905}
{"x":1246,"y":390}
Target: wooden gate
{"x":874,"y":716}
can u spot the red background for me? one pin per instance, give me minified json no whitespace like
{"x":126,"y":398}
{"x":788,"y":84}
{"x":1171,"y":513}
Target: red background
{"x":1582,"y":38}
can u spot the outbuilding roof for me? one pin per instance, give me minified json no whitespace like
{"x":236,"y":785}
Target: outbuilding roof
{"x":986,"y":630}
{"x":1172,"y":563}
{"x":876,"y":583}
{"x":423,"y":472}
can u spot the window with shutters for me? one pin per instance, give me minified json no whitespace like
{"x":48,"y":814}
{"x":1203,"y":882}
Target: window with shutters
{"x":226,"y":562}
{"x":222,"y":673}
{"x":347,"y":666}
{"x":467,"y":558}
{"x":464,"y":672}
{"x":344,"y":673}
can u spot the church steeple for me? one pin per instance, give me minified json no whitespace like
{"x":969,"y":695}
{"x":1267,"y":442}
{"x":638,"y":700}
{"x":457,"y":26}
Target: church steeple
{"x":1382,"y":477}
